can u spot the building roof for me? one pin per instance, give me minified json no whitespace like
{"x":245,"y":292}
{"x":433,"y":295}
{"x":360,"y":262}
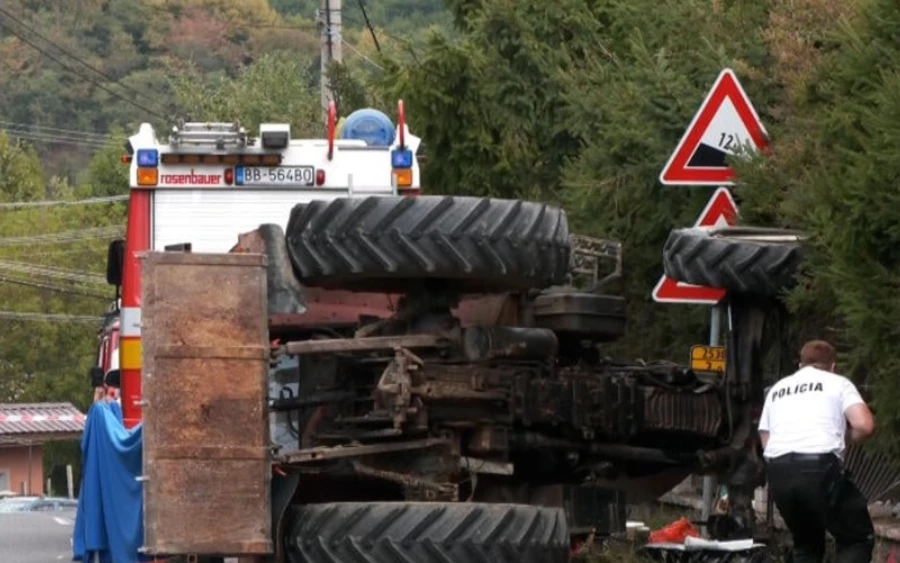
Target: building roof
{"x":43,"y":420}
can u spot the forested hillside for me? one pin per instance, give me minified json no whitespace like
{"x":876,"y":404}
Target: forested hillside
{"x":574,"y":102}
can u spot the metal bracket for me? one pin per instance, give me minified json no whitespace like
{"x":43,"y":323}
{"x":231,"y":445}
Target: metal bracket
{"x":759,"y":234}
{"x":587,"y":254}
{"x":219,"y":135}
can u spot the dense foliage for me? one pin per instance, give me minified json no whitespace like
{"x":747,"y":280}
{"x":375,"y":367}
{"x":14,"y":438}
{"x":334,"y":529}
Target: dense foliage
{"x":833,"y":173}
{"x":51,"y":264}
{"x":575,"y":102}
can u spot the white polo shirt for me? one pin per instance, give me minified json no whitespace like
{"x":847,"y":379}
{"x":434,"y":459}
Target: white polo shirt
{"x":804,"y":413}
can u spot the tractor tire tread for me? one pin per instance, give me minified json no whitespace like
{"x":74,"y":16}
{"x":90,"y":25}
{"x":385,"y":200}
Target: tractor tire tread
{"x":737,"y":265}
{"x":427,"y":532}
{"x":476,"y":243}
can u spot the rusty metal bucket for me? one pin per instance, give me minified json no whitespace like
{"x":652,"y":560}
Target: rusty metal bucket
{"x":206,"y":460}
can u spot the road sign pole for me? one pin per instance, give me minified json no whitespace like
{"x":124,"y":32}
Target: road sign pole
{"x":709,"y":481}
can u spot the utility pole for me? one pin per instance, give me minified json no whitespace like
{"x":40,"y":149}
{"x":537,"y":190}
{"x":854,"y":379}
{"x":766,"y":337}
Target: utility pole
{"x":330,"y":24}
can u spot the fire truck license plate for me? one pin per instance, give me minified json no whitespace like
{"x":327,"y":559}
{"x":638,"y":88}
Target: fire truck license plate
{"x":274,"y":175}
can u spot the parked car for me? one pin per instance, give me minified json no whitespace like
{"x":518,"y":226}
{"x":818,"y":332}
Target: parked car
{"x":37,"y":504}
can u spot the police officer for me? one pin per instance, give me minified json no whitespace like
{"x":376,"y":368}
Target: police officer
{"x":803,"y":429}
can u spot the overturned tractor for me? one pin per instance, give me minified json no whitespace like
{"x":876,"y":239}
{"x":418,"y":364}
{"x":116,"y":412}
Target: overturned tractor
{"x":409,"y":377}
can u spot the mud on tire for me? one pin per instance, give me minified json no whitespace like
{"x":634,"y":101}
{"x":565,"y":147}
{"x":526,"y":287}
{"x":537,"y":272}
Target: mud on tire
{"x":475,"y":244}
{"x":742,"y":259}
{"x":426,"y":533}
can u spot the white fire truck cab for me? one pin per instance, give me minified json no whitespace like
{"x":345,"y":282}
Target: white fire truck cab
{"x":209,"y":182}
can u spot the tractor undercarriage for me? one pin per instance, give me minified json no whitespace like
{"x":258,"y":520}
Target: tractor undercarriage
{"x":486,"y":399}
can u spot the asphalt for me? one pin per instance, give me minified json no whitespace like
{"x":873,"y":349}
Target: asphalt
{"x":36,"y":537}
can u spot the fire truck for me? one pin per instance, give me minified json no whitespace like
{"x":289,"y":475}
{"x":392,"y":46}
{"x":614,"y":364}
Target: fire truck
{"x":328,"y":365}
{"x":212,"y":181}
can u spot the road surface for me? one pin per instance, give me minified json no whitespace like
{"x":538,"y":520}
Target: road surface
{"x":36,"y":537}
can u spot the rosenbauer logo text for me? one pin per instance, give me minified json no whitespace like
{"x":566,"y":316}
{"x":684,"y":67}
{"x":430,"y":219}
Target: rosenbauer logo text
{"x":191,"y":179}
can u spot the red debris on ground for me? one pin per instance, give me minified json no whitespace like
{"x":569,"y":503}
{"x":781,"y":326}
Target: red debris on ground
{"x":676,"y":532}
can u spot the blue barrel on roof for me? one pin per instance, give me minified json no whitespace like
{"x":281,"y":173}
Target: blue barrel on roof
{"x":371,"y":126}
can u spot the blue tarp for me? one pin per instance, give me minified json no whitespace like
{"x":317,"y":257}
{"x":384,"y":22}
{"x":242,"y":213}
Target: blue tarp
{"x":110,"y":519}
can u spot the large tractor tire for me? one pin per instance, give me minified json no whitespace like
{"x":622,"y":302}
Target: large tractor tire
{"x":472,"y":244}
{"x":739,"y":259}
{"x":427,"y":532}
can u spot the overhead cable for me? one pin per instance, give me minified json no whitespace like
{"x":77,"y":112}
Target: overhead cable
{"x":45,"y":129}
{"x":62,"y":236}
{"x":52,"y":317}
{"x":61,"y":202}
{"x":51,"y":272}
{"x":56,"y":59}
{"x":50,"y":287}
{"x":362,"y":7}
{"x":67,"y":53}
{"x":55,"y":139}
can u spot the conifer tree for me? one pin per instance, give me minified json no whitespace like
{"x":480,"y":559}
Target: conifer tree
{"x":850,"y":201}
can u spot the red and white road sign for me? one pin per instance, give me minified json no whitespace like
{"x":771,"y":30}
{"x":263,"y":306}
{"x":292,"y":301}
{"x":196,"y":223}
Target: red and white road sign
{"x":721,"y":211}
{"x":725,"y":122}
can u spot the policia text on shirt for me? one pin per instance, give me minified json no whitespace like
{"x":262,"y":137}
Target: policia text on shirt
{"x":803,"y":432}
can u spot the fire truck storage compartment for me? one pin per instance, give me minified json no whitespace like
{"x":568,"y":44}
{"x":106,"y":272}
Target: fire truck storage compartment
{"x":207,"y":466}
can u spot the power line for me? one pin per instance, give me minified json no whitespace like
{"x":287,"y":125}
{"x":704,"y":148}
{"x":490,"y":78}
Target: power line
{"x":362,"y":7}
{"x":50,"y":287}
{"x":62,"y":236}
{"x":55,"y":203}
{"x":43,"y":138}
{"x":62,"y":64}
{"x":89,"y":250}
{"x":51,"y":138}
{"x":51,"y":317}
{"x":51,"y":272}
{"x":331,"y":32}
{"x":387,"y":34}
{"x":52,"y":130}
{"x":85,"y":250}
{"x":94,"y":277}
{"x":361,"y":54}
{"x":75,"y":58}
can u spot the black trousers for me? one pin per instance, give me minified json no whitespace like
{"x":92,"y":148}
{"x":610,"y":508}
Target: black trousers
{"x":813,"y":494}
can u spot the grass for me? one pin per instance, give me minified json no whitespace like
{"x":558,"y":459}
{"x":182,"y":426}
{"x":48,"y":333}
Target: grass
{"x":609,"y":551}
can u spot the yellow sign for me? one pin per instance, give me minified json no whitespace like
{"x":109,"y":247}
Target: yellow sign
{"x":708,"y":358}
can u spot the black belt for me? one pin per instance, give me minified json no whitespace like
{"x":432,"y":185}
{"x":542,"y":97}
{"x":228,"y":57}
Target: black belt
{"x":804,"y":457}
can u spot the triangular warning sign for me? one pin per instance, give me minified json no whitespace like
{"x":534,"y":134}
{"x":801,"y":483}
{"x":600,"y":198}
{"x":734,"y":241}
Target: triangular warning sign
{"x":725,"y":122}
{"x":720,"y":211}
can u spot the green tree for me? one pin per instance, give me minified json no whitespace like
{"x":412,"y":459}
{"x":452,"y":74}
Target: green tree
{"x":21,"y":176}
{"x":44,"y":272}
{"x":278,"y":87}
{"x":489,"y":104}
{"x":106,"y":175}
{"x":833,"y":173}
{"x":630,"y":101}
{"x":581,"y":104}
